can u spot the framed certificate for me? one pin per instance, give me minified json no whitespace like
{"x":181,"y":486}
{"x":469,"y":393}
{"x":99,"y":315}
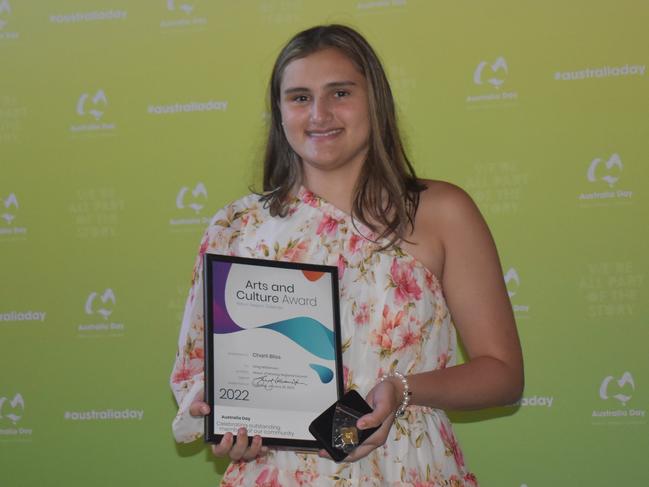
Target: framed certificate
{"x":272,"y":341}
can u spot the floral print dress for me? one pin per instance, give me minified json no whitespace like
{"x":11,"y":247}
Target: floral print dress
{"x":393,"y":318}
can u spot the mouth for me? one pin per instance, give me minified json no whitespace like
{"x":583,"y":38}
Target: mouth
{"x":322,"y":134}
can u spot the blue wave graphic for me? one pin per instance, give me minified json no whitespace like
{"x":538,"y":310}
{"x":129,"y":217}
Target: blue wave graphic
{"x":310,"y":334}
{"x":325,"y":373}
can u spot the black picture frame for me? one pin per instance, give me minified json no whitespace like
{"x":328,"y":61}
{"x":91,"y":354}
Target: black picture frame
{"x":210,"y":261}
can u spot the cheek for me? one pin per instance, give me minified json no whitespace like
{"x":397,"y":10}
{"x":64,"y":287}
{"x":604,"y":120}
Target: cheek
{"x":291,"y":122}
{"x":358,"y":116}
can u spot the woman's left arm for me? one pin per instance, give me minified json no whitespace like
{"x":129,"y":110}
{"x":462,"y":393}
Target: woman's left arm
{"x":477,"y":298}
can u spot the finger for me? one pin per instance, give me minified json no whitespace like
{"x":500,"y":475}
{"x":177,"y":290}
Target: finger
{"x":240,"y":446}
{"x":324,"y":454}
{"x":199,"y":408}
{"x":374,"y":419}
{"x":253,"y":450}
{"x":360,"y":452}
{"x":224,"y":446}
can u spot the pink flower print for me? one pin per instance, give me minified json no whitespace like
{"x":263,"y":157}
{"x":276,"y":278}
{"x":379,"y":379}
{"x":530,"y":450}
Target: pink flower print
{"x":355,"y":243}
{"x":429,"y":280}
{"x":235,"y":474}
{"x":310,"y":199}
{"x":296,"y":251}
{"x":304,"y":477}
{"x":409,"y":338}
{"x":451,"y":444}
{"x":414,"y":479}
{"x":342,"y":265}
{"x":442,"y":360}
{"x":328,"y":225}
{"x":471,"y":480}
{"x":203,"y":248}
{"x":269,"y":477}
{"x":432,"y":282}
{"x":383,"y":337}
{"x":197,"y":353}
{"x":404,"y":281}
{"x":187,"y":370}
{"x":362,"y":315}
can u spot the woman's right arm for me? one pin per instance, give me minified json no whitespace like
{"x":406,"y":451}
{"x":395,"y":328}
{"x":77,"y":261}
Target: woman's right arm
{"x":187,"y":376}
{"x":187,"y":380}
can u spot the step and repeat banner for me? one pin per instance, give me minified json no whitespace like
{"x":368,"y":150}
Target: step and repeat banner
{"x":125,"y":125}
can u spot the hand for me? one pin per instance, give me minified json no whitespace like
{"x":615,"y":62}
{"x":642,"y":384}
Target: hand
{"x":239,"y":450}
{"x":384,"y":400}
{"x":227,"y":447}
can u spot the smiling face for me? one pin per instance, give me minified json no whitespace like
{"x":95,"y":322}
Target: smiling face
{"x":324,"y":108}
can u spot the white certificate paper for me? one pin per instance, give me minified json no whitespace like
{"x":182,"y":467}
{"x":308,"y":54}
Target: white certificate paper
{"x":273,"y":347}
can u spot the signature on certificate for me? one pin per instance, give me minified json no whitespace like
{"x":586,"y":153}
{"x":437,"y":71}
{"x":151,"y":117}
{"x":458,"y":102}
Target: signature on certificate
{"x":270,"y":382}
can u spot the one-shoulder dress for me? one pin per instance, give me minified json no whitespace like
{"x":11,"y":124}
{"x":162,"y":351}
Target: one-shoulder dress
{"x":393,"y":317}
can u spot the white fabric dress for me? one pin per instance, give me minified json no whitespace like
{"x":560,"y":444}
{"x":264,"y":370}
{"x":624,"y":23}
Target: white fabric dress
{"x":393,"y":317}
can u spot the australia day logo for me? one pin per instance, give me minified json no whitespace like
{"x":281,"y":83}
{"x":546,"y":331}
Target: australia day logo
{"x":5,"y":21}
{"x":100,"y":305}
{"x":181,"y":14}
{"x":9,"y":208}
{"x":187,"y":8}
{"x":617,"y":393}
{"x":513,"y":284}
{"x":10,"y":204}
{"x":90,"y":109}
{"x":490,"y":77}
{"x":606,"y":174}
{"x":191,"y":202}
{"x":5,"y":12}
{"x":12,"y":410}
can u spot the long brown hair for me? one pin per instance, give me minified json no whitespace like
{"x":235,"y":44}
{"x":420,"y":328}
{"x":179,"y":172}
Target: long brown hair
{"x":386,"y":195}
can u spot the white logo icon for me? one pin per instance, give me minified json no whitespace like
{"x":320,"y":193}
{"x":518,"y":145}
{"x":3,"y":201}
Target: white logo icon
{"x":15,"y":415}
{"x":4,"y":7}
{"x":106,"y":309}
{"x":99,"y":97}
{"x":496,"y":82}
{"x":626,"y":378}
{"x":512,"y":276}
{"x":199,"y":190}
{"x":10,"y":201}
{"x":185,"y":7}
{"x":614,"y":161}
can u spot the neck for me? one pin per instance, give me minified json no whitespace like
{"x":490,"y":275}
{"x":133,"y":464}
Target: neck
{"x":336,"y":187}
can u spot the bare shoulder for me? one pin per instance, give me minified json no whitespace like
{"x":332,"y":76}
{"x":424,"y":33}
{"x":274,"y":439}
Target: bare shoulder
{"x":445,"y":214}
{"x":443,"y":205}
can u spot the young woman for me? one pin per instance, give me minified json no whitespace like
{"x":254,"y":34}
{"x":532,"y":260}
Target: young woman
{"x":339,"y":190}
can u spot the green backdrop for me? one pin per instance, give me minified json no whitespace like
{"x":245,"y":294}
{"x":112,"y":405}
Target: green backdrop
{"x":125,"y":125}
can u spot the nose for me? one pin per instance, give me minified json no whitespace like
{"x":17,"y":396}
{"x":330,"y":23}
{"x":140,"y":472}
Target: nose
{"x":320,"y":111}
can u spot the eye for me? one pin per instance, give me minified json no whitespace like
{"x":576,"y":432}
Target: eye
{"x":300,"y":98}
{"x":341,"y":93}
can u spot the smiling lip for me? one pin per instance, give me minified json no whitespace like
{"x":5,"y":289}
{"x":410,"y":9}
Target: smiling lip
{"x":323,"y":133}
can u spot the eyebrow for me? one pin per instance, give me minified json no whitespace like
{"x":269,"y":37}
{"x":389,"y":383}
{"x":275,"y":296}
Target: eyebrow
{"x":333,"y":84}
